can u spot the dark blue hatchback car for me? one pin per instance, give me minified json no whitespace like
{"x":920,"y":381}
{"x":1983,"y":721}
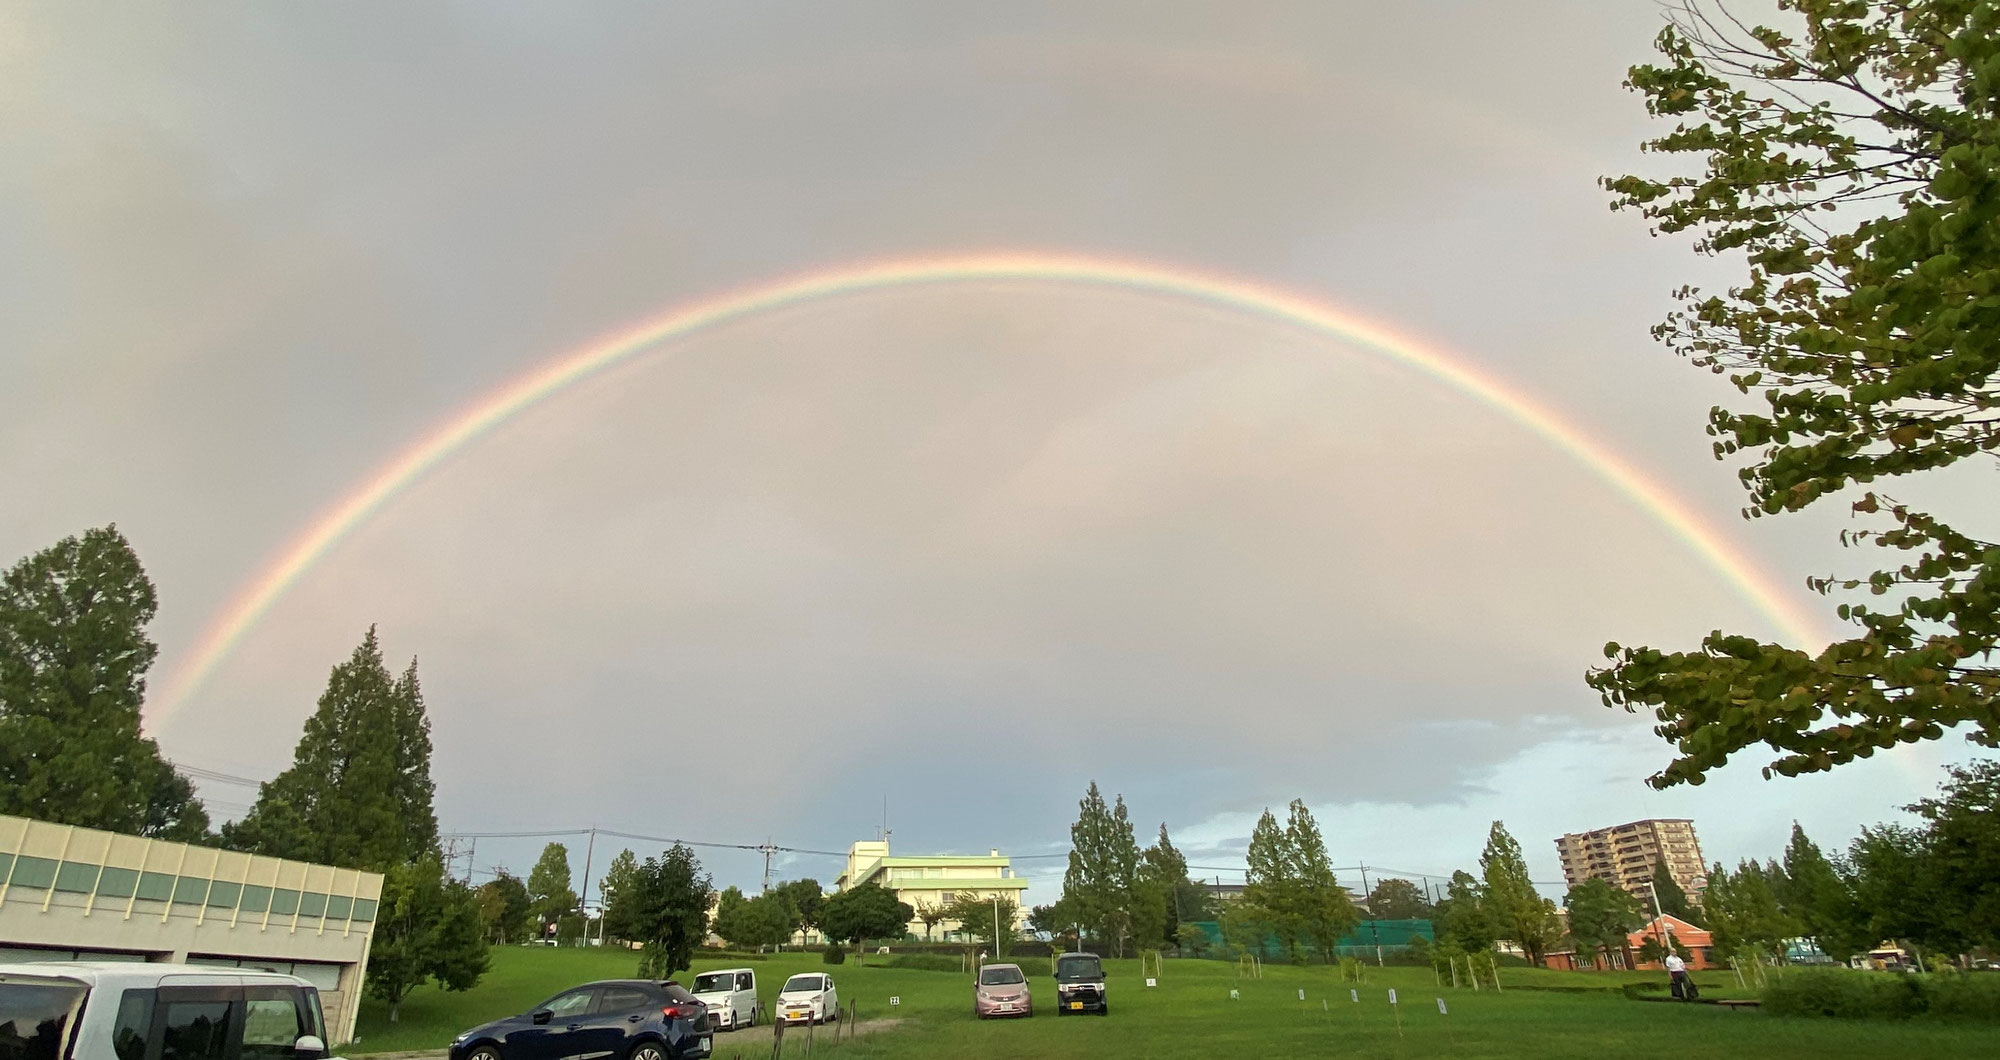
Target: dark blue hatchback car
{"x":618,"y":1019}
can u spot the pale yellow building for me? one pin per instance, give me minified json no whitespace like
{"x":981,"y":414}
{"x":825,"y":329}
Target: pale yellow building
{"x":69,"y":893}
{"x":934,"y":880}
{"x":1626,"y":854}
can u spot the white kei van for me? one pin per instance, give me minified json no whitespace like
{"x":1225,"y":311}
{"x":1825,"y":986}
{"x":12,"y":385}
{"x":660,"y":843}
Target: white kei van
{"x":731,"y":996}
{"x":119,"y":1010}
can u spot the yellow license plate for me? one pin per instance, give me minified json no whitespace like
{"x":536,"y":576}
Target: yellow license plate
{"x":1077,"y":1005}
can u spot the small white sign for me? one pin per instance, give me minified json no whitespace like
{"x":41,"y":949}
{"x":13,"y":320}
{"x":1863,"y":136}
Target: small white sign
{"x":1354,"y":996}
{"x":1150,"y":981}
{"x":1235,"y":996}
{"x":1302,"y":994}
{"x":894,"y":1001}
{"x":1441,"y":1010}
{"x":1392,"y":995}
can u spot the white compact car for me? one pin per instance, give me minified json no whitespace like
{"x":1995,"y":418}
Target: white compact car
{"x":731,"y":996}
{"x":136,"y":1011}
{"x":808,"y":998}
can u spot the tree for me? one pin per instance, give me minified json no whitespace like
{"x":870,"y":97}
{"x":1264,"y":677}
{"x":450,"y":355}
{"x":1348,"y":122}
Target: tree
{"x":1671,"y":899}
{"x":1187,"y":899}
{"x":935,"y":913}
{"x":1103,"y":866}
{"x":1398,"y":899}
{"x":359,"y":791}
{"x":1816,"y":897}
{"x":624,"y":869}
{"x":73,"y":660}
{"x":730,"y":920}
{"x":867,"y":911}
{"x":505,"y":909}
{"x":548,"y":885}
{"x":1517,"y":911}
{"x":1937,"y":884}
{"x":1463,"y":922}
{"x":989,"y":920}
{"x":1269,"y":884}
{"x":1743,"y":911}
{"x":1602,"y":917}
{"x":426,"y":928}
{"x":1320,"y":904}
{"x":1853,"y":170}
{"x":670,"y":911}
{"x":805,"y":897}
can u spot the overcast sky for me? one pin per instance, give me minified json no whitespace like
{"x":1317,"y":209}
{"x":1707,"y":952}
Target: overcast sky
{"x":960,"y":549}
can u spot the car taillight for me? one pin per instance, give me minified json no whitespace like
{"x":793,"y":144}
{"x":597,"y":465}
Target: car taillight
{"x":673,"y":1012}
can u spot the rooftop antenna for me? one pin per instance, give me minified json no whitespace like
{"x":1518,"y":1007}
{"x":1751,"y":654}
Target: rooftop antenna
{"x":886,"y":833}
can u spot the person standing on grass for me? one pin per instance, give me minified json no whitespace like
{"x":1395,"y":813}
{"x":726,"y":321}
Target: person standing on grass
{"x":1677,"y":973}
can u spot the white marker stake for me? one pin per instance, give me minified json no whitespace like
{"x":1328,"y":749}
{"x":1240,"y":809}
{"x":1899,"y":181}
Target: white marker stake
{"x":1441,"y":1008}
{"x":1302,"y":993}
{"x":1150,"y":981}
{"x":1446,"y":1013}
{"x":1393,"y":1007}
{"x":1235,"y":995}
{"x":1354,"y":996}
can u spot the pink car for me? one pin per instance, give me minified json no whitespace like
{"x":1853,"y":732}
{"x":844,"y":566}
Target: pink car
{"x":1002,"y":991}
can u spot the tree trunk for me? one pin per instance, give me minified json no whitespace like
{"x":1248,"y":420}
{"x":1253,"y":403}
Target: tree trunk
{"x":395,"y":1007}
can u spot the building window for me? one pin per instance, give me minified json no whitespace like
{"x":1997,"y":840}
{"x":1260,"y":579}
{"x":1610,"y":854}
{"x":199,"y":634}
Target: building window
{"x":76,"y":877}
{"x":156,"y":886}
{"x":255,"y":899}
{"x":32,"y":873}
{"x":338,"y":906}
{"x":364,"y":909}
{"x":222,"y":895}
{"x":284,"y":902}
{"x":312,"y":904}
{"x":190,"y":890}
{"x":116,"y":882}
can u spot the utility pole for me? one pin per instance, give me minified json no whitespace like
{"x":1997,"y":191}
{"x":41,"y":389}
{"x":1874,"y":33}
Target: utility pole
{"x":1367,"y":901}
{"x":589,"y":848}
{"x":769,"y":850}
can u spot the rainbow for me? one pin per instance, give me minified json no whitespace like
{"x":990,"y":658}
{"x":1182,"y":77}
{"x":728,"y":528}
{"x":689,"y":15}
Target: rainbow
{"x":255,"y":597}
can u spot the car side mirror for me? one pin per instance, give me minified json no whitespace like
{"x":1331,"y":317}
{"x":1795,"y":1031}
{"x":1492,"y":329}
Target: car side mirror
{"x":543,"y":1016}
{"x":309,"y":1047}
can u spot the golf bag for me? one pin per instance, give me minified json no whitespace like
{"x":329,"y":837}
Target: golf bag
{"x":1683,"y":988}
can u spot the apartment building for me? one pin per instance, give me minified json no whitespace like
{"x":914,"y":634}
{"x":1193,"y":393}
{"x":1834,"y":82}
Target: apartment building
{"x":1625,"y":855}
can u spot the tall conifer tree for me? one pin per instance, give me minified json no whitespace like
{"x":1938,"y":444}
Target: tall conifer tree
{"x":73,"y":662}
{"x":358,"y":793}
{"x":1319,"y":902}
{"x":1517,"y":911}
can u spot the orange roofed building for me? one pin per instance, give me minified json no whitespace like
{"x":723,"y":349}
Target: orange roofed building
{"x":1700,"y":943}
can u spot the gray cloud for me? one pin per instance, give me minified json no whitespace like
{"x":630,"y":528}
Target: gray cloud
{"x":918,"y":545}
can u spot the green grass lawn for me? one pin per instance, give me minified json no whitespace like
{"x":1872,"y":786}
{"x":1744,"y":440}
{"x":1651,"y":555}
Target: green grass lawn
{"x":1190,"y":1014}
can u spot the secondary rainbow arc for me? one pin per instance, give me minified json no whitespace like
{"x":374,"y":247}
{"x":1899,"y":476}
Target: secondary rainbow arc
{"x":256,"y":596}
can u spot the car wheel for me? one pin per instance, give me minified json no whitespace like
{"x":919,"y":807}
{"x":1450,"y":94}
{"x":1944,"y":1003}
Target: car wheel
{"x":648,"y":1051}
{"x":484,"y":1052}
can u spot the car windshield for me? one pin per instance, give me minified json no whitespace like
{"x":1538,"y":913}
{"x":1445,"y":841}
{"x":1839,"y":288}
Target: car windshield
{"x":34,"y":1018}
{"x":1000,"y":976}
{"x":1085,"y":967}
{"x":802,"y":983}
{"x":713,"y":981}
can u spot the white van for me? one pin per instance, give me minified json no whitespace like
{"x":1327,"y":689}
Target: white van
{"x":101,"y":1010}
{"x":731,"y":996}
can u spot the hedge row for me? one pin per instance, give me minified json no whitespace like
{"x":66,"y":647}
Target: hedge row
{"x":1849,"y":994}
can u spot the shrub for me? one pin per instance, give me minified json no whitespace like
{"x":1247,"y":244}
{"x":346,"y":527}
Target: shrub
{"x":834,"y":954}
{"x":1843,"y":993}
{"x":1975,"y":996}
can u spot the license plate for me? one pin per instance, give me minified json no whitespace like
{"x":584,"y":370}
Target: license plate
{"x":1077,"y":1005}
